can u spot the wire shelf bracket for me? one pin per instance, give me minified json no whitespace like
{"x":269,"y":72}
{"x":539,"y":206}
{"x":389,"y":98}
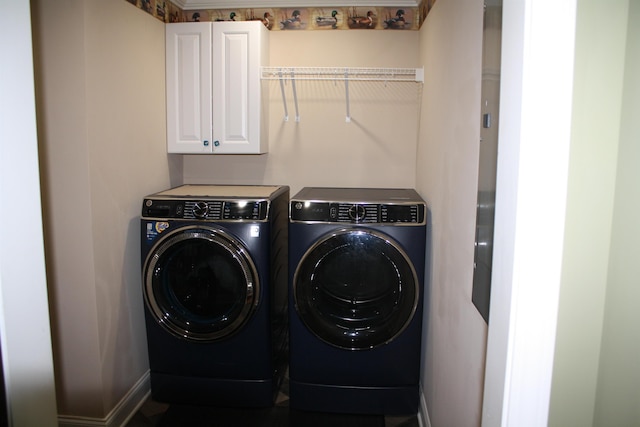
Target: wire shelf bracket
{"x":283,"y":74}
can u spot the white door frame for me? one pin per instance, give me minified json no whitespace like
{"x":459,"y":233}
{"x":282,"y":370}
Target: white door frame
{"x":25,"y":337}
{"x":533,"y":158}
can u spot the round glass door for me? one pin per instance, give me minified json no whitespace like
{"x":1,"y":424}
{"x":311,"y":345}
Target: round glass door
{"x":200,"y":284}
{"x":356,"y":289}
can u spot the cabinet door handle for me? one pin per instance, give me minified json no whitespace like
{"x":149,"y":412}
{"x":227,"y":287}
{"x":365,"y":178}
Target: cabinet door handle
{"x":216,"y":143}
{"x":205,"y":143}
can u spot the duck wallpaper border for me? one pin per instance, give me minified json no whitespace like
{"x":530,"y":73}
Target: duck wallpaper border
{"x":298,"y":19}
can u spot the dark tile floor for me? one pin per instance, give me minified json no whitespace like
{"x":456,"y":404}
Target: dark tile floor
{"x":158,"y":414}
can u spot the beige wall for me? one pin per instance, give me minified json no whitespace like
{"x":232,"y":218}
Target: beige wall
{"x":102,"y":100}
{"x":595,"y":377}
{"x":447,"y":176}
{"x":378,"y":146}
{"x":100,"y":92}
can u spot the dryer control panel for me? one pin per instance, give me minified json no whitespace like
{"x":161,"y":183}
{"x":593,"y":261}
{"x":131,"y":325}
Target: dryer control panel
{"x":211,"y":210}
{"x":368,"y":213}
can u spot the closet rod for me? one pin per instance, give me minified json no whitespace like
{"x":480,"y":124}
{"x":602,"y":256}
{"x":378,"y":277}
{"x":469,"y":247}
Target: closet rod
{"x":338,"y":73}
{"x":283,"y":74}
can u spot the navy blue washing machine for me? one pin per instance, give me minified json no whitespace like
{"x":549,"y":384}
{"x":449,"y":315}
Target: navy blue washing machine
{"x":356,"y":289}
{"x":214,"y":278}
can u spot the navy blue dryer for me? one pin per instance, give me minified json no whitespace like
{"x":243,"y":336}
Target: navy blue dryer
{"x":214,"y":263}
{"x":357,"y":259}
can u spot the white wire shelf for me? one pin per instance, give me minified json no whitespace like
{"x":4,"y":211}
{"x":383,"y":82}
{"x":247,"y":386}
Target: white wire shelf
{"x":344,"y":73}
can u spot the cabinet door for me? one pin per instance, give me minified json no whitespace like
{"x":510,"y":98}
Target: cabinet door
{"x":188,"y":67}
{"x":240,"y":123}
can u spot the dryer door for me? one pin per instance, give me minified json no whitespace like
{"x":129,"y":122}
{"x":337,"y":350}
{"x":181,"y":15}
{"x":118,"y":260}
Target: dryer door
{"x":200,"y":284}
{"x":356,"y":289}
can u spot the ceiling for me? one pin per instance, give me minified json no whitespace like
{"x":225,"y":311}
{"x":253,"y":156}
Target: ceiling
{"x":243,"y":4}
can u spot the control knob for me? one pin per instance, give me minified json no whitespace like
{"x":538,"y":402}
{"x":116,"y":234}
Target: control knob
{"x":357,"y":212}
{"x":200,"y":209}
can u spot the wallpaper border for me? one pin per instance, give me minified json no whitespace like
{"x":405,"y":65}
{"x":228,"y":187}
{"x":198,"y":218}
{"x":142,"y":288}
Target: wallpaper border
{"x":298,"y":19}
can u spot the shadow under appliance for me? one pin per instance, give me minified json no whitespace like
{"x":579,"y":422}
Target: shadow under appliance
{"x":357,"y":260}
{"x":214,"y":272}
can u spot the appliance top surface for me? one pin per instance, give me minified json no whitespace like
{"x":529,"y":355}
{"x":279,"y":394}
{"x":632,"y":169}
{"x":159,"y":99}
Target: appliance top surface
{"x":359,"y":195}
{"x":220,"y":191}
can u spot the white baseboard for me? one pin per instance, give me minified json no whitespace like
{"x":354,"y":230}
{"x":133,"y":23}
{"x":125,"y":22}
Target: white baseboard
{"x":121,"y":414}
{"x":423,"y":413}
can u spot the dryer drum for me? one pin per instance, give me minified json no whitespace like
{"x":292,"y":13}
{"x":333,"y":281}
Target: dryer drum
{"x":200,"y":284}
{"x":355,"y":289}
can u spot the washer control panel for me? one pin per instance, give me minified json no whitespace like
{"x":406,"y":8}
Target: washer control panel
{"x":211,"y":210}
{"x":306,"y":211}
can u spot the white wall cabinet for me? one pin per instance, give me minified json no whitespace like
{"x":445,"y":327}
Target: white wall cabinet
{"x":215,"y":100}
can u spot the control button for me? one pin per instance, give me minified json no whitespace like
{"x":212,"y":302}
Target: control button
{"x":333,"y":212}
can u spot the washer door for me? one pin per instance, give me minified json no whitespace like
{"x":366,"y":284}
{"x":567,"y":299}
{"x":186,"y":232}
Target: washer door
{"x":355,"y":289}
{"x":200,"y":284}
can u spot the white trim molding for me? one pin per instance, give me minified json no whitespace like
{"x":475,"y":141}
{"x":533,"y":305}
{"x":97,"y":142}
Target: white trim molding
{"x":423,"y":412}
{"x":121,"y":414}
